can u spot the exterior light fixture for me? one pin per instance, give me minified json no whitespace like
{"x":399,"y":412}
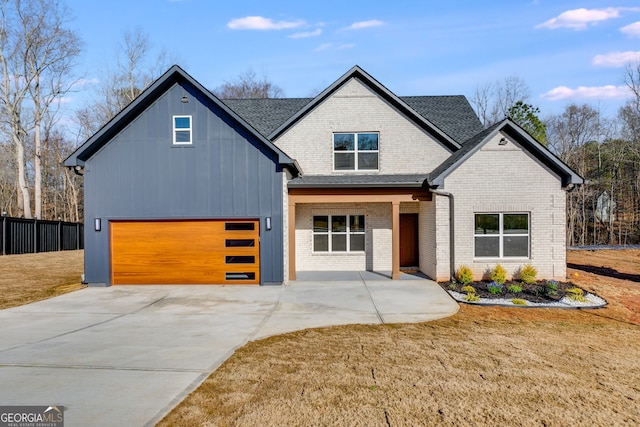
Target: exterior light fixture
{"x":503,"y":141}
{"x":268,"y":225}
{"x":184,"y":99}
{"x":97,"y":224}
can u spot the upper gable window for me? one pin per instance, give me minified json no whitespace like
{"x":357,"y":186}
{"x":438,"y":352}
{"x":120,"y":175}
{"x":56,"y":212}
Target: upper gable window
{"x":181,"y":130}
{"x":355,"y":151}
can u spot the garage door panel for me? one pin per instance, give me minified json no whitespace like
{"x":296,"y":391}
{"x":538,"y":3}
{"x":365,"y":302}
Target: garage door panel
{"x":185,"y":252}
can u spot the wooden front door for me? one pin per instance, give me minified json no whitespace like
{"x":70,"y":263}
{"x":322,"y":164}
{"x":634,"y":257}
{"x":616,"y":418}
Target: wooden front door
{"x":409,"y":256}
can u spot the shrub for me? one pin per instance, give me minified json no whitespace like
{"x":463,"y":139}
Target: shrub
{"x":528,"y":274}
{"x":576,"y":294}
{"x":499,"y":274}
{"x":464,"y":275}
{"x":518,"y":301}
{"x":515,"y":289}
{"x":471,"y":297}
{"x":552,"y":287}
{"x":494,"y":288}
{"x":468,"y":289}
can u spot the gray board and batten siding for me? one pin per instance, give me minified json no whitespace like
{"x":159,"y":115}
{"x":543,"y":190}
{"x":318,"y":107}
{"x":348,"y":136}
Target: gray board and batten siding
{"x":137,"y":173}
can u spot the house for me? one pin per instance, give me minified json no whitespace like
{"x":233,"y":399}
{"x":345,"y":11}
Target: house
{"x":185,"y":188}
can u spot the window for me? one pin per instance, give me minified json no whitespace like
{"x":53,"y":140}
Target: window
{"x":181,"y":130}
{"x":338,"y":233}
{"x":501,"y":235}
{"x":239,"y":226}
{"x":355,"y":151}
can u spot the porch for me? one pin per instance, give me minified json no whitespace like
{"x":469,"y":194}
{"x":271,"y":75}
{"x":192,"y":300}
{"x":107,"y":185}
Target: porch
{"x":380,"y":248}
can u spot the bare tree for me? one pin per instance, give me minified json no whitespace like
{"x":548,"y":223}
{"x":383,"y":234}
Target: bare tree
{"x":36,"y":57}
{"x":630,"y":114}
{"x":136,"y":66}
{"x":50,"y":57}
{"x":249,"y":86}
{"x":492,"y":101}
{"x":574,"y":135}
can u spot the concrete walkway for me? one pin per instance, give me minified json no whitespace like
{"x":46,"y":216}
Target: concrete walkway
{"x":126,"y":355}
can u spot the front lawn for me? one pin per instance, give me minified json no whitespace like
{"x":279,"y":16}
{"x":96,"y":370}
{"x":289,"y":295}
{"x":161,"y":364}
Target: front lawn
{"x":483,"y":366}
{"x":33,"y":277}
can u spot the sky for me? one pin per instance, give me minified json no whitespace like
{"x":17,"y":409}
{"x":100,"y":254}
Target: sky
{"x":566,"y":51}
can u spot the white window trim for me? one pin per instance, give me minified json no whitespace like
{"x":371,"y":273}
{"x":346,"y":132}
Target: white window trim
{"x":330,"y":233}
{"x":175,"y":129}
{"x":355,"y":152}
{"x":501,"y":235}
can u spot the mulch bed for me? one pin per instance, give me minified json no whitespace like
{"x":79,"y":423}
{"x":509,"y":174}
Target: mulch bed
{"x":536,"y":292}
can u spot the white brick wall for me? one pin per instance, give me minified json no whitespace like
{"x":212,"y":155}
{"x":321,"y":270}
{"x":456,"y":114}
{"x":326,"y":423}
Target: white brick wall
{"x":508,"y":179}
{"x":378,"y":244}
{"x":433,"y":230}
{"x":404,"y":148}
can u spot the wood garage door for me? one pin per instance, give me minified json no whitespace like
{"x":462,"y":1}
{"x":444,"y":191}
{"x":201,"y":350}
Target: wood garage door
{"x":185,"y":252}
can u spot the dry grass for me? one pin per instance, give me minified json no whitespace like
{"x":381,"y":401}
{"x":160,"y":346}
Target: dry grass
{"x":484,"y":366}
{"x":33,"y":277}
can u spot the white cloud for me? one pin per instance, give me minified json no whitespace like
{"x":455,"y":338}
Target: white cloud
{"x":579,"y":19}
{"x":586,"y":92}
{"x":616,"y":59}
{"x":632,"y":30}
{"x":261,"y":23}
{"x":64,"y":100}
{"x":307,"y":34}
{"x":334,"y":46}
{"x":86,"y":82}
{"x":365,"y":24}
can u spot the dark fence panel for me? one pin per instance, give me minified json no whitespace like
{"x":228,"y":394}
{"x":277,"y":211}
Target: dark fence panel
{"x":27,"y":236}
{"x":48,"y":236}
{"x":72,"y":236}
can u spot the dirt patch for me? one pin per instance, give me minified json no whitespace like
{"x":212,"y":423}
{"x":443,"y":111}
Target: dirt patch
{"x":483,"y":366}
{"x":608,"y":273}
{"x":32,"y":277}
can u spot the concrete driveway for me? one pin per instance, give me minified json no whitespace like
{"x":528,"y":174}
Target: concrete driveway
{"x":126,"y":355}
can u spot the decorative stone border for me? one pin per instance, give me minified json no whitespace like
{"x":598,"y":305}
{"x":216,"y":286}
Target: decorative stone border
{"x":593,"y":301}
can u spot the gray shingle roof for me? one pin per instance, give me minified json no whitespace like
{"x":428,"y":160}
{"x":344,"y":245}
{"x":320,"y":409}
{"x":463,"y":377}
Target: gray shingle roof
{"x":265,"y":115}
{"x":328,"y":181}
{"x":451,"y":114}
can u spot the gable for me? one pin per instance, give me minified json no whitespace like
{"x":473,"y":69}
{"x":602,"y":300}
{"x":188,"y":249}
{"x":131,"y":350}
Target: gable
{"x":452,"y":114}
{"x":193,"y":89}
{"x":141,"y":173}
{"x":404,"y":146}
{"x":384,"y":93}
{"x":502,"y":163}
{"x":509,"y":132}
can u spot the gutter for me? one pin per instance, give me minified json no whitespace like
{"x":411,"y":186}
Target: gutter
{"x":452,"y":252}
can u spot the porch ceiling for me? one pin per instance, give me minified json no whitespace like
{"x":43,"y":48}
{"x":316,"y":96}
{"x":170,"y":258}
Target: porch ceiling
{"x":345,"y":194}
{"x":359,"y":181}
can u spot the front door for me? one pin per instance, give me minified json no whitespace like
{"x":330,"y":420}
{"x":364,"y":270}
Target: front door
{"x":409,"y":240}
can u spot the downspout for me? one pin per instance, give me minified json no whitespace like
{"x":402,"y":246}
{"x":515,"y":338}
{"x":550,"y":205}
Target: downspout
{"x":452,"y":235}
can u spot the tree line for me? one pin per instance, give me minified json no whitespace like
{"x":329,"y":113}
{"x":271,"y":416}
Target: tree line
{"x":603,"y":150}
{"x":38,"y":72}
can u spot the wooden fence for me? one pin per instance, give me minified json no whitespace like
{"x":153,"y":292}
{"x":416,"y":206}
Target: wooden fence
{"x":28,"y":236}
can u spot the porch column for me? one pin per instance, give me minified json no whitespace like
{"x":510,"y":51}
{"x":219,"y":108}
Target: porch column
{"x":292,"y":240}
{"x":395,"y":237}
